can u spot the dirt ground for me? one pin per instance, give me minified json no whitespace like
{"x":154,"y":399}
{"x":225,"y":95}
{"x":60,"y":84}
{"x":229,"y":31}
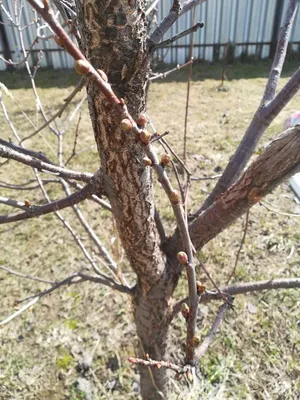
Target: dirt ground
{"x":255,"y":354}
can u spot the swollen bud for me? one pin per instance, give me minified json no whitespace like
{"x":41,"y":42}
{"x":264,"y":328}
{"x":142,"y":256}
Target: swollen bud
{"x":126,"y":125}
{"x":189,"y":376}
{"x":102,"y":75}
{"x":195,"y":341}
{"x":141,"y":120}
{"x":165,"y":160}
{"x":145,"y":137}
{"x":175,"y":196}
{"x":200,"y":288}
{"x":147,"y":161}
{"x":82,"y":67}
{"x":182,"y":258}
{"x":27,"y":203}
{"x":185,"y":310}
{"x":59,"y":41}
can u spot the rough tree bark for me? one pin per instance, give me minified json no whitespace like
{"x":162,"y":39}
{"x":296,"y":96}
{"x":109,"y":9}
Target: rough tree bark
{"x":114,"y":39}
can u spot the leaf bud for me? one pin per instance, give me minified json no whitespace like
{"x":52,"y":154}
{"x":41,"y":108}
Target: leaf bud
{"x":147,"y":161}
{"x":175,"y":196}
{"x":182,"y":258}
{"x":200,"y":288}
{"x":185,"y":310}
{"x":102,"y":75}
{"x":59,"y":41}
{"x":141,"y":120}
{"x":126,"y":125}
{"x":82,"y":67}
{"x":165,"y":160}
{"x":195,"y":341}
{"x":145,"y":137}
{"x":27,"y":203}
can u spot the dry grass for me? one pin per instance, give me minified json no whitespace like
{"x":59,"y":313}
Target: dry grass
{"x":255,"y":354}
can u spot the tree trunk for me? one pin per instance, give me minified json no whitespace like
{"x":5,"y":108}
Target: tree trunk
{"x":114,"y":40}
{"x":152,"y":318}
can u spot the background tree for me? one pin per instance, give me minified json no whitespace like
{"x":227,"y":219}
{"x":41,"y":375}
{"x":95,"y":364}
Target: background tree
{"x":114,"y":60}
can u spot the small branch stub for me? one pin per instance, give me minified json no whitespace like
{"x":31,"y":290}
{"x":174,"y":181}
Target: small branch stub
{"x":126,"y":125}
{"x":182,"y":258}
{"x":141,"y":120}
{"x":147,"y":161}
{"x":165,"y":160}
{"x":200,"y":288}
{"x":145,"y":137}
{"x":82,"y":67}
{"x":175,"y":196}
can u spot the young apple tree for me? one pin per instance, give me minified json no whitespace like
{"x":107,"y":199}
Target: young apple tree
{"x":112,"y":52}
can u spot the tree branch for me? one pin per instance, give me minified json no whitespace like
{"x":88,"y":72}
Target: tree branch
{"x":169,"y":20}
{"x":279,"y":160}
{"x":242,"y":288}
{"x":33,"y":278}
{"x":281,"y":49}
{"x":9,"y":153}
{"x":31,"y":153}
{"x":207,"y":341}
{"x":68,"y":100}
{"x":178,"y":36}
{"x":35,"y":211}
{"x":264,"y":115}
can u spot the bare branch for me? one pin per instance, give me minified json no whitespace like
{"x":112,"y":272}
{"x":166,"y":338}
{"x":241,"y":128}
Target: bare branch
{"x":169,"y":20}
{"x":271,"y":209}
{"x":68,"y":100}
{"x":34,"y":278}
{"x":242,"y":288}
{"x":280,"y":51}
{"x":31,"y":153}
{"x":153,"y":5}
{"x":207,"y":341}
{"x":156,"y":364}
{"x":9,"y":153}
{"x":240,"y":247}
{"x":279,"y":160}
{"x":263,"y":117}
{"x":180,"y":35}
{"x":35,"y":211}
{"x":165,"y":74}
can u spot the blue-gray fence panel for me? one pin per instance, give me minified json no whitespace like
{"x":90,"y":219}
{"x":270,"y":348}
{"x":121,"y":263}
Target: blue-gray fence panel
{"x":249,"y":24}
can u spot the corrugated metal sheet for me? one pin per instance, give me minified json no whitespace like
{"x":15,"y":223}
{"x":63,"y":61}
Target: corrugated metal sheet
{"x":248,"y":24}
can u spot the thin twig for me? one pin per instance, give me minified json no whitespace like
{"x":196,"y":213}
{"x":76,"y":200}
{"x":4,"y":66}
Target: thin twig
{"x":208,"y":339}
{"x":240,"y":247}
{"x":156,"y":364}
{"x":68,"y":100}
{"x":242,"y":288}
{"x":180,"y":35}
{"x":9,"y":153}
{"x":165,"y":74}
{"x":35,"y":211}
{"x":34,"y":278}
{"x":169,"y":20}
{"x":264,"y":204}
